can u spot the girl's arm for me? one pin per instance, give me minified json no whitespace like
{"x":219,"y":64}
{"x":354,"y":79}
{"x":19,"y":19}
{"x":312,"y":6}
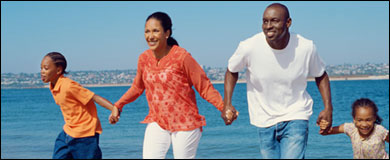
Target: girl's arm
{"x":334,"y":130}
{"x":103,"y":102}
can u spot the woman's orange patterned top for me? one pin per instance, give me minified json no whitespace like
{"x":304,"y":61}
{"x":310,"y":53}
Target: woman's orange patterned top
{"x":168,"y":83}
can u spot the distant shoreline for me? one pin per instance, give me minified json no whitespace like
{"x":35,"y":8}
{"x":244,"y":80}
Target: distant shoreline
{"x":331,"y":78}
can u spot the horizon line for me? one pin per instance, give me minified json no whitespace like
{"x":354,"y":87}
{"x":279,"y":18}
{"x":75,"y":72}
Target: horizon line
{"x":199,"y":64}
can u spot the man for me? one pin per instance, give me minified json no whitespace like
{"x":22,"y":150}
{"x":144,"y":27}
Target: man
{"x":278,"y":63}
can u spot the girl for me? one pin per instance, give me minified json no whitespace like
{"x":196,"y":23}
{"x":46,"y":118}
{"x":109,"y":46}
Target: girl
{"x":167,"y":73}
{"x":367,"y":135}
{"x":80,"y":136}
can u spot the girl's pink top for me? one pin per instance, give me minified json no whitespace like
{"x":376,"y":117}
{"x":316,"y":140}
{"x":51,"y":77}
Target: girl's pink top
{"x":168,"y":84}
{"x":372,"y":147}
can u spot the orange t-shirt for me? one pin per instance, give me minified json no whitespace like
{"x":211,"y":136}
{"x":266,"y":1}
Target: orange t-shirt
{"x":168,"y":84}
{"x":78,"y":108}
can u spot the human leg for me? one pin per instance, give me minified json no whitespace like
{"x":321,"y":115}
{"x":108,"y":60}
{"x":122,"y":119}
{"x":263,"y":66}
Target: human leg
{"x":61,"y":150}
{"x":269,"y":146}
{"x":156,"y":142}
{"x":293,"y":142}
{"x":185,"y":143}
{"x":85,"y":148}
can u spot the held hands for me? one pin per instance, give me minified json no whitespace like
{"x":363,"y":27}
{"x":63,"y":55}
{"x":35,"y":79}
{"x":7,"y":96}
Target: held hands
{"x":325,"y":122}
{"x":114,"y":116}
{"x":229,"y":114}
{"x":323,"y":125}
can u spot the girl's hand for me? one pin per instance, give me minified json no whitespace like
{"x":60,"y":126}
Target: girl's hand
{"x":114,"y":116}
{"x":323,"y":125}
{"x":325,"y":116}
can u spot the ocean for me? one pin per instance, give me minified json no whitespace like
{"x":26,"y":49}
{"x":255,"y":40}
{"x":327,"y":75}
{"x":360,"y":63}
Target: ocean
{"x":31,"y":121}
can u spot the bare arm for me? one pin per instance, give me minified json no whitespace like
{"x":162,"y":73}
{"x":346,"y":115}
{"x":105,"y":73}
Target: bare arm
{"x":114,"y":117}
{"x":229,"y":113}
{"x":335,"y":130}
{"x":103,"y":102}
{"x":326,"y":114}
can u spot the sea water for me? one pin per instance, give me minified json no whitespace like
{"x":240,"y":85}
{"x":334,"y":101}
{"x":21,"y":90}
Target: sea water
{"x":31,"y":121}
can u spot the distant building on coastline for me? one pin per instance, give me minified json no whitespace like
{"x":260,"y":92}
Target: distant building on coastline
{"x":125,"y":77}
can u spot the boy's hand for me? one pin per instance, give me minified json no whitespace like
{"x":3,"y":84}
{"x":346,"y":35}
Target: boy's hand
{"x":114,"y":116}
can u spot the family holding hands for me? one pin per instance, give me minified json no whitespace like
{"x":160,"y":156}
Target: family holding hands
{"x":277,"y":65}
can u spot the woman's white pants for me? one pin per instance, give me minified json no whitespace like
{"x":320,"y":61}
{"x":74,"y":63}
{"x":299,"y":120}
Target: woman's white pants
{"x":158,"y":140}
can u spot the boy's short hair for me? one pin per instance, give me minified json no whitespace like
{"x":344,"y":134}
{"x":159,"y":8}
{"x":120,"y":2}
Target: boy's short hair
{"x":59,"y":60}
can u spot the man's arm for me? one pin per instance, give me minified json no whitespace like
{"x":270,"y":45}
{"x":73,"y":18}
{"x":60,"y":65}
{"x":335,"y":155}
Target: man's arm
{"x":326,"y":114}
{"x":229,"y":113}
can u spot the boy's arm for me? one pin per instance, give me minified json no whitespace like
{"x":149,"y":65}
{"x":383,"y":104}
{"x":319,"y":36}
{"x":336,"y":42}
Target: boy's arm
{"x":103,"y":102}
{"x":114,"y":117}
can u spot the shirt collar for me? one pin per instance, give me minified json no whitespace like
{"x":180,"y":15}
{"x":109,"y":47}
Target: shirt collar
{"x":58,"y":84}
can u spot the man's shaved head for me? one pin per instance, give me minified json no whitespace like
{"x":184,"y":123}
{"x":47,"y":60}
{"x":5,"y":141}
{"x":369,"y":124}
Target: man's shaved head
{"x":276,"y":21}
{"x":281,"y":6}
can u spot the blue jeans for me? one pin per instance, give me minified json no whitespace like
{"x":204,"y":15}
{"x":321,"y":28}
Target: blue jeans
{"x":67,"y":147}
{"x":284,"y":140}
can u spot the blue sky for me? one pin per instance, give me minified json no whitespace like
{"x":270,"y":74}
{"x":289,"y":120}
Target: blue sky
{"x":110,"y":35}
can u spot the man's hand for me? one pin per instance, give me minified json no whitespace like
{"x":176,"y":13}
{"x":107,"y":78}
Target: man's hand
{"x":229,"y":114}
{"x":324,"y":120}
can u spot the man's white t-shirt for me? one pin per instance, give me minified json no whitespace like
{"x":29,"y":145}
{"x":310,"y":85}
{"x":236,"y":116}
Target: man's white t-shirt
{"x":277,"y":79}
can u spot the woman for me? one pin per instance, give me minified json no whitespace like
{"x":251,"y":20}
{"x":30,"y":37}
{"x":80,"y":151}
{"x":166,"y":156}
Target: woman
{"x":167,"y":72}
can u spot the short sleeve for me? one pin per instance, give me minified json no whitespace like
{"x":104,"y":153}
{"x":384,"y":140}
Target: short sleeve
{"x":237,"y":61}
{"x":382,"y":132}
{"x":316,"y":64}
{"x":80,"y":93}
{"x":348,"y":128}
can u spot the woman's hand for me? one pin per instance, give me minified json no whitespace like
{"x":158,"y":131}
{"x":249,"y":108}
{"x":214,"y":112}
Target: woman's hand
{"x":114,"y":116}
{"x":229,"y":114}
